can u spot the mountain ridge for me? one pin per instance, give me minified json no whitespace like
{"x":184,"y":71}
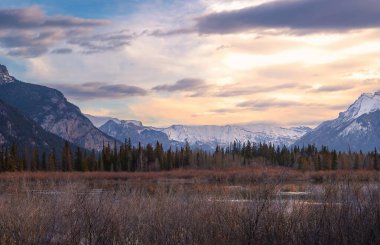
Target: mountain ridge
{"x":356,"y":129}
{"x":50,"y":109}
{"x":202,"y":136}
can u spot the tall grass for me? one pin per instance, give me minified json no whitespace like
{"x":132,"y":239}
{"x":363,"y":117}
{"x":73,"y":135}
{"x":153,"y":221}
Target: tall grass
{"x":73,"y":212}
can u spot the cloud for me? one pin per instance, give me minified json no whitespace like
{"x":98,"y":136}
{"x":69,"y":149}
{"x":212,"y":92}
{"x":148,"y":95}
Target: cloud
{"x":62,"y":51}
{"x":28,"y":43}
{"x":96,"y":90}
{"x":259,"y":105}
{"x":161,"y":33}
{"x":231,"y":92}
{"x":266,"y":104}
{"x":29,"y":32}
{"x":332,"y":88}
{"x":103,"y":42}
{"x":301,"y":15}
{"x":34,"y":17}
{"x":186,"y":84}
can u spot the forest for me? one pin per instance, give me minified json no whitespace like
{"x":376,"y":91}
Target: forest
{"x":127,"y":157}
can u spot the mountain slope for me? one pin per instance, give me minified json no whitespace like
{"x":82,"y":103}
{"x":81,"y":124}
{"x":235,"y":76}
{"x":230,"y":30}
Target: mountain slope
{"x":358,"y":128}
{"x":50,"y":109}
{"x":18,"y":129}
{"x":136,"y":132}
{"x":206,"y":137}
{"x":98,"y":121}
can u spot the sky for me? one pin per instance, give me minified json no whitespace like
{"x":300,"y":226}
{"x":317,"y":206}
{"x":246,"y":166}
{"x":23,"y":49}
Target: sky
{"x":195,"y":62}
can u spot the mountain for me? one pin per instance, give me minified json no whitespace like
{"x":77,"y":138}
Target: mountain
{"x":210,"y":135}
{"x":18,"y":129}
{"x":51,"y":110}
{"x":206,"y":137}
{"x":137,"y":132}
{"x":4,"y":75}
{"x":358,"y":128}
{"x":100,"y":120}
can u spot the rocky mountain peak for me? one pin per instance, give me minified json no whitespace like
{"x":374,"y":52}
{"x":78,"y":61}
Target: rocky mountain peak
{"x":4,"y":70}
{"x":366,"y":103}
{"x":132,"y":122}
{"x":4,"y":75}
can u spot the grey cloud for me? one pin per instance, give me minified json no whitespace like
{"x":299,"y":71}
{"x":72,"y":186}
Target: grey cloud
{"x":161,"y":33}
{"x":332,"y":88}
{"x":103,"y":42}
{"x":29,"y":32}
{"x":231,"y":91}
{"x":265,"y":104}
{"x":186,"y":84}
{"x":96,"y":90}
{"x":26,"y":39}
{"x":226,"y":110}
{"x":302,"y":15}
{"x":62,"y":51}
{"x":25,"y":43}
{"x":32,"y":51}
{"x":34,"y":17}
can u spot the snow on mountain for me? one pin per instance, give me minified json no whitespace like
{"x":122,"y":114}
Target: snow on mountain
{"x":224,"y":135}
{"x":367,"y":103}
{"x":358,"y":128}
{"x":137,"y":133}
{"x":205,"y":136}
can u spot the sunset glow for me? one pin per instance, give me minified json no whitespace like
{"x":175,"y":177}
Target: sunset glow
{"x":259,"y":71}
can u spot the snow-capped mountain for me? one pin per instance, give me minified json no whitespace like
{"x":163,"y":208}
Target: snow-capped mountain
{"x":224,"y":135}
{"x":206,"y":137}
{"x":137,"y":133}
{"x":51,"y":110}
{"x":358,"y":128}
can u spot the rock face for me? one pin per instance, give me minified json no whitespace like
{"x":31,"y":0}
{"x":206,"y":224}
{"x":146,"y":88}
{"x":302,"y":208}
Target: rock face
{"x":51,"y":110}
{"x":358,"y":128}
{"x":205,"y":137}
{"x":24,"y":132}
{"x":4,"y":75}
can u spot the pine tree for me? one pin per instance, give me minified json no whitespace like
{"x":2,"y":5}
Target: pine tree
{"x":52,"y":161}
{"x":78,"y":159}
{"x":67,"y":157}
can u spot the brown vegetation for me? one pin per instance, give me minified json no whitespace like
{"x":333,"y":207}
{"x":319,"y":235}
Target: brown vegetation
{"x":249,"y":205}
{"x":247,"y":174}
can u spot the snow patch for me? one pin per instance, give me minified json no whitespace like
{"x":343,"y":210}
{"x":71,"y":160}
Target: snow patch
{"x":353,"y":128}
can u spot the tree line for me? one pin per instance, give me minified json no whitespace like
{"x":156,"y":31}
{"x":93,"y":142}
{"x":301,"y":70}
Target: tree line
{"x":126,"y":157}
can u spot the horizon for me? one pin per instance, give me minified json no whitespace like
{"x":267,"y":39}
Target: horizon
{"x":197,"y":63}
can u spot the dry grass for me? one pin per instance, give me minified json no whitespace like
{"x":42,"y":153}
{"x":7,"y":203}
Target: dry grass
{"x":190,"y":207}
{"x":252,"y":174}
